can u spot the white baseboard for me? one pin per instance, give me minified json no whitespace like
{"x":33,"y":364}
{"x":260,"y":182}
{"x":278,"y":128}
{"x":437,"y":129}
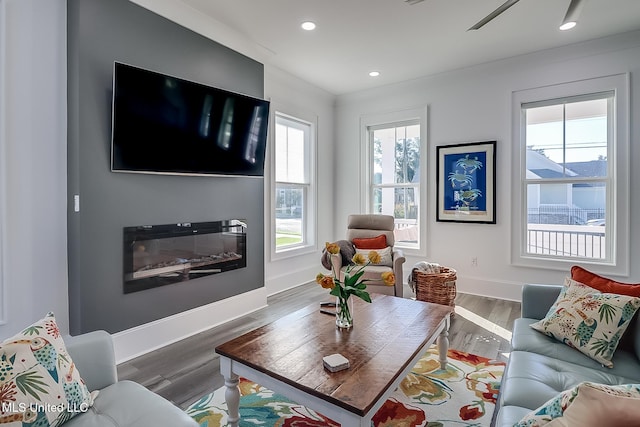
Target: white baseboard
{"x":142,"y":339}
{"x":493,"y":288}
{"x":291,"y":279}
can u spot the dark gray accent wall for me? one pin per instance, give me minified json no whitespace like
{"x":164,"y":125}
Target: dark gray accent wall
{"x":99,"y":33}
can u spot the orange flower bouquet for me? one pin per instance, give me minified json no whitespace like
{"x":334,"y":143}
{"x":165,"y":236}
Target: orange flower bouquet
{"x":352,"y":284}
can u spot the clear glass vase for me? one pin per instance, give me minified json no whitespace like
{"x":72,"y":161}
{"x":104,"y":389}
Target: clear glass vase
{"x":344,"y":313}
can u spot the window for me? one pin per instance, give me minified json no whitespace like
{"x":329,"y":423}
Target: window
{"x":294,"y":192}
{"x":394,"y":182}
{"x":567,"y":176}
{"x":570,"y":151}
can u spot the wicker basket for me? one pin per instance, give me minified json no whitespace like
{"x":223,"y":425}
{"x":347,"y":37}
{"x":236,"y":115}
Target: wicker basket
{"x":439,"y":288}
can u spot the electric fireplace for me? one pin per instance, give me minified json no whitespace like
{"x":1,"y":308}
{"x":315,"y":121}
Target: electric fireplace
{"x":158,"y":255}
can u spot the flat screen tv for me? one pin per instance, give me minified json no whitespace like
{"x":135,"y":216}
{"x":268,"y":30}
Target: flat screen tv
{"x":166,"y":125}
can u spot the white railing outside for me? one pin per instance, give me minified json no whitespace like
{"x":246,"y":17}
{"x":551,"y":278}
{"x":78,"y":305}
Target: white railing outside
{"x":581,"y":241}
{"x":407,"y":232}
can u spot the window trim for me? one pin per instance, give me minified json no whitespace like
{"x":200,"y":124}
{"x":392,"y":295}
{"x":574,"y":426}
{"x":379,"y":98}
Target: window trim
{"x":618,"y":164}
{"x":377,"y":120}
{"x":310,"y":216}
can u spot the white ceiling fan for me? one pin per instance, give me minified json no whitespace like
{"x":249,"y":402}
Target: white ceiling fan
{"x":570,"y":18}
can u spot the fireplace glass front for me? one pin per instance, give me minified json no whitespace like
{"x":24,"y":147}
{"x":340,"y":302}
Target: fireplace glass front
{"x":158,"y":255}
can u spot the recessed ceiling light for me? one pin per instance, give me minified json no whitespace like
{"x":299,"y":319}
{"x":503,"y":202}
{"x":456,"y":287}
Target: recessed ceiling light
{"x":308,"y":25}
{"x":567,"y":26}
{"x":374,"y":73}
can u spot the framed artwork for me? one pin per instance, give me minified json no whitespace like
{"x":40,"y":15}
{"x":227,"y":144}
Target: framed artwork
{"x":466,"y":182}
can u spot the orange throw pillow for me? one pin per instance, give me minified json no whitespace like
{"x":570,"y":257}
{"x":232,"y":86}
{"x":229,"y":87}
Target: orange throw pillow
{"x":604,"y":284}
{"x":378,"y":242}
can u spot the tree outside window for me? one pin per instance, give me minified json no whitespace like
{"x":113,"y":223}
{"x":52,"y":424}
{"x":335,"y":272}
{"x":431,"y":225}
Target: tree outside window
{"x":395,"y":181}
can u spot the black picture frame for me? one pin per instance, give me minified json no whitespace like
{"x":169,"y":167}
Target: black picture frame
{"x":466,"y":182}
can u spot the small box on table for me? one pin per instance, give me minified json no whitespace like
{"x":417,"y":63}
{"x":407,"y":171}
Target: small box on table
{"x":335,"y":362}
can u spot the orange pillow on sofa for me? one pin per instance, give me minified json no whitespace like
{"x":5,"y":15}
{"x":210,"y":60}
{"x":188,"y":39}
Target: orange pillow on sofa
{"x":378,"y":242}
{"x":604,"y":284}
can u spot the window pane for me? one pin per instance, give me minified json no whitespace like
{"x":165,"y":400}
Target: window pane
{"x":574,"y":227}
{"x":290,"y":155}
{"x":586,"y":138}
{"x":396,"y":154}
{"x":408,"y":155}
{"x":403,"y":204}
{"x":567,"y":140}
{"x":289,"y":215}
{"x":545,"y":140}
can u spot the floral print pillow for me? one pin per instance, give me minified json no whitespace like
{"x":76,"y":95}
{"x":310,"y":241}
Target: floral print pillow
{"x":588,"y":404}
{"x":588,"y":320}
{"x":39,"y":384}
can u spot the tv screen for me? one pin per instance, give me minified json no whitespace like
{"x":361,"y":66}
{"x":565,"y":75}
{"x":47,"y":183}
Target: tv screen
{"x":167,"y":125}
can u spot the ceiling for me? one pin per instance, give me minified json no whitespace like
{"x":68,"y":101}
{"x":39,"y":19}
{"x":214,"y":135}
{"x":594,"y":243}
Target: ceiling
{"x":399,"y":40}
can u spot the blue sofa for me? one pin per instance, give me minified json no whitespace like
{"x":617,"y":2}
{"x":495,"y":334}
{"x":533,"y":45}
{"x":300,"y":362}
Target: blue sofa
{"x":119,"y":403}
{"x":540,"y":367}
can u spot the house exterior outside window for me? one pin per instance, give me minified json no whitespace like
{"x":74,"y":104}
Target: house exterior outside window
{"x":571,"y":173}
{"x":294,"y":191}
{"x":394,"y":173}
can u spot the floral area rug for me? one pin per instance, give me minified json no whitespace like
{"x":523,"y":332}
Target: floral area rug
{"x":462,"y":395}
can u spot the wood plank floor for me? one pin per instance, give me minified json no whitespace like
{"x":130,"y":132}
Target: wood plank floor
{"x":184,"y":371}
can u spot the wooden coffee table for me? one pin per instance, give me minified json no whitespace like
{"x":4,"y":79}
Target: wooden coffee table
{"x":388,"y":338}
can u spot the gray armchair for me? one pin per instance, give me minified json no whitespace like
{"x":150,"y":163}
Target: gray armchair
{"x":119,"y":403}
{"x":368,"y":226}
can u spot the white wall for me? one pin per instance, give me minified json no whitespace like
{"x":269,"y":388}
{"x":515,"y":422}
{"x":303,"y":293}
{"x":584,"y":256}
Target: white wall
{"x":474,"y":104}
{"x":35,"y":158}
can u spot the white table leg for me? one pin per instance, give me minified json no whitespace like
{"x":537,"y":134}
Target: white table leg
{"x":443,"y":345}
{"x":232,"y":392}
